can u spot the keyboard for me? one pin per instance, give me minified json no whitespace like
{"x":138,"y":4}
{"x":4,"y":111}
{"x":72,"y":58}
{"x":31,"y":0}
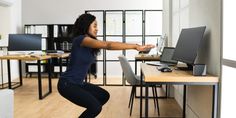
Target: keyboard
{"x":54,"y":51}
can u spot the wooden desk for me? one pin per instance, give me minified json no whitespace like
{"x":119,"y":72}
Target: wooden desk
{"x":20,"y":58}
{"x":60,"y":56}
{"x":145,"y":57}
{"x":151,"y":75}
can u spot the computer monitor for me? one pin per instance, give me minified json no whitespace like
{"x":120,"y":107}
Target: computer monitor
{"x":25,"y":42}
{"x":166,"y":56}
{"x":188,"y":44}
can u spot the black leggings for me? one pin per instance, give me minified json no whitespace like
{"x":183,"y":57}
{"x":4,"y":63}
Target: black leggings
{"x":88,"y":95}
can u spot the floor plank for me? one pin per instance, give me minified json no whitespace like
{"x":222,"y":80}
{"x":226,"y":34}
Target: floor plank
{"x":27,"y":104}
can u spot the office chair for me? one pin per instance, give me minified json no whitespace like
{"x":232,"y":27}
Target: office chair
{"x":134,"y":81}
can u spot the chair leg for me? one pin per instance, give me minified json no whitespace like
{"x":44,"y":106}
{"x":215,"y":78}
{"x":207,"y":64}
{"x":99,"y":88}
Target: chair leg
{"x":156,"y":97}
{"x":132,"y":99}
{"x":130,"y":113}
{"x":131,"y":94}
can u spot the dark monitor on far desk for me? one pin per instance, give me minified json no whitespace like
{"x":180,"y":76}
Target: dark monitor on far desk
{"x":188,"y":45}
{"x":25,"y":42}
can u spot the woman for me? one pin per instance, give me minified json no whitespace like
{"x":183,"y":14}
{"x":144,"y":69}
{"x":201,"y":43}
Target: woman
{"x":85,"y":47}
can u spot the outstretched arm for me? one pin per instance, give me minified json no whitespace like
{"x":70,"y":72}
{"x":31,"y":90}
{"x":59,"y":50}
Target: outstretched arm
{"x":110,"y":45}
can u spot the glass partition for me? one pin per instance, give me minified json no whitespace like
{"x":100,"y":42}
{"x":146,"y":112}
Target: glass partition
{"x":114,"y":20}
{"x":133,"y":22}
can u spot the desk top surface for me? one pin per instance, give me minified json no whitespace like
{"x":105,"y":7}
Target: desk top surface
{"x":151,"y":74}
{"x":25,"y":57}
{"x":146,"y":57}
{"x":61,"y":55}
{"x":33,"y":57}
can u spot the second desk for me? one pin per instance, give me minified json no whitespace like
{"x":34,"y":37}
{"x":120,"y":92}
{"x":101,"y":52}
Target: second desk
{"x":21,"y":58}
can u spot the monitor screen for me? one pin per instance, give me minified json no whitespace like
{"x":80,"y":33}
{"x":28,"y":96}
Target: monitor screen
{"x":25,"y":42}
{"x":188,"y":44}
{"x":167,"y":54}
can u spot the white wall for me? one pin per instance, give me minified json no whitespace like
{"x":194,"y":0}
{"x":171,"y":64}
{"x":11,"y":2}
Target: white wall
{"x":207,"y":12}
{"x":66,"y":11}
{"x":191,"y":13}
{"x":166,"y":20}
{"x":5,"y":21}
{"x":10,"y":23}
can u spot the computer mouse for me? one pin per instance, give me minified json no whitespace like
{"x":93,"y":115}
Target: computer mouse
{"x":166,"y":69}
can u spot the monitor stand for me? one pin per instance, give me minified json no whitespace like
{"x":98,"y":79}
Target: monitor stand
{"x":189,"y":67}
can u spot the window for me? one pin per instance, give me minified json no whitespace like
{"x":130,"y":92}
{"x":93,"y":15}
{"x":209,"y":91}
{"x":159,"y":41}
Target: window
{"x":229,"y":60}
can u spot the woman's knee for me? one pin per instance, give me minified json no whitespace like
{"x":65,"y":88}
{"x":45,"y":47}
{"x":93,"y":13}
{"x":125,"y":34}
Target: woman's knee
{"x":107,"y":97}
{"x":95,"y":110}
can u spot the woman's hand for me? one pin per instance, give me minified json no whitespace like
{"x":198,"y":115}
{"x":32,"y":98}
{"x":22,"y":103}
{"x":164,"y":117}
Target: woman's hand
{"x":144,"y":47}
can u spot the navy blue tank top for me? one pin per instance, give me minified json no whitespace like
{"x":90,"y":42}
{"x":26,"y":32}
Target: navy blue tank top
{"x":80,"y":60}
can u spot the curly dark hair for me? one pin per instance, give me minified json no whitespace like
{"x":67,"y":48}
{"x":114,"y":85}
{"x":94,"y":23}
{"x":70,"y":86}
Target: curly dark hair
{"x":81,"y":27}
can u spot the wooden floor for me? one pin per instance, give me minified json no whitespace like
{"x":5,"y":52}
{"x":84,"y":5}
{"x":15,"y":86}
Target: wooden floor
{"x":27,"y":104}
